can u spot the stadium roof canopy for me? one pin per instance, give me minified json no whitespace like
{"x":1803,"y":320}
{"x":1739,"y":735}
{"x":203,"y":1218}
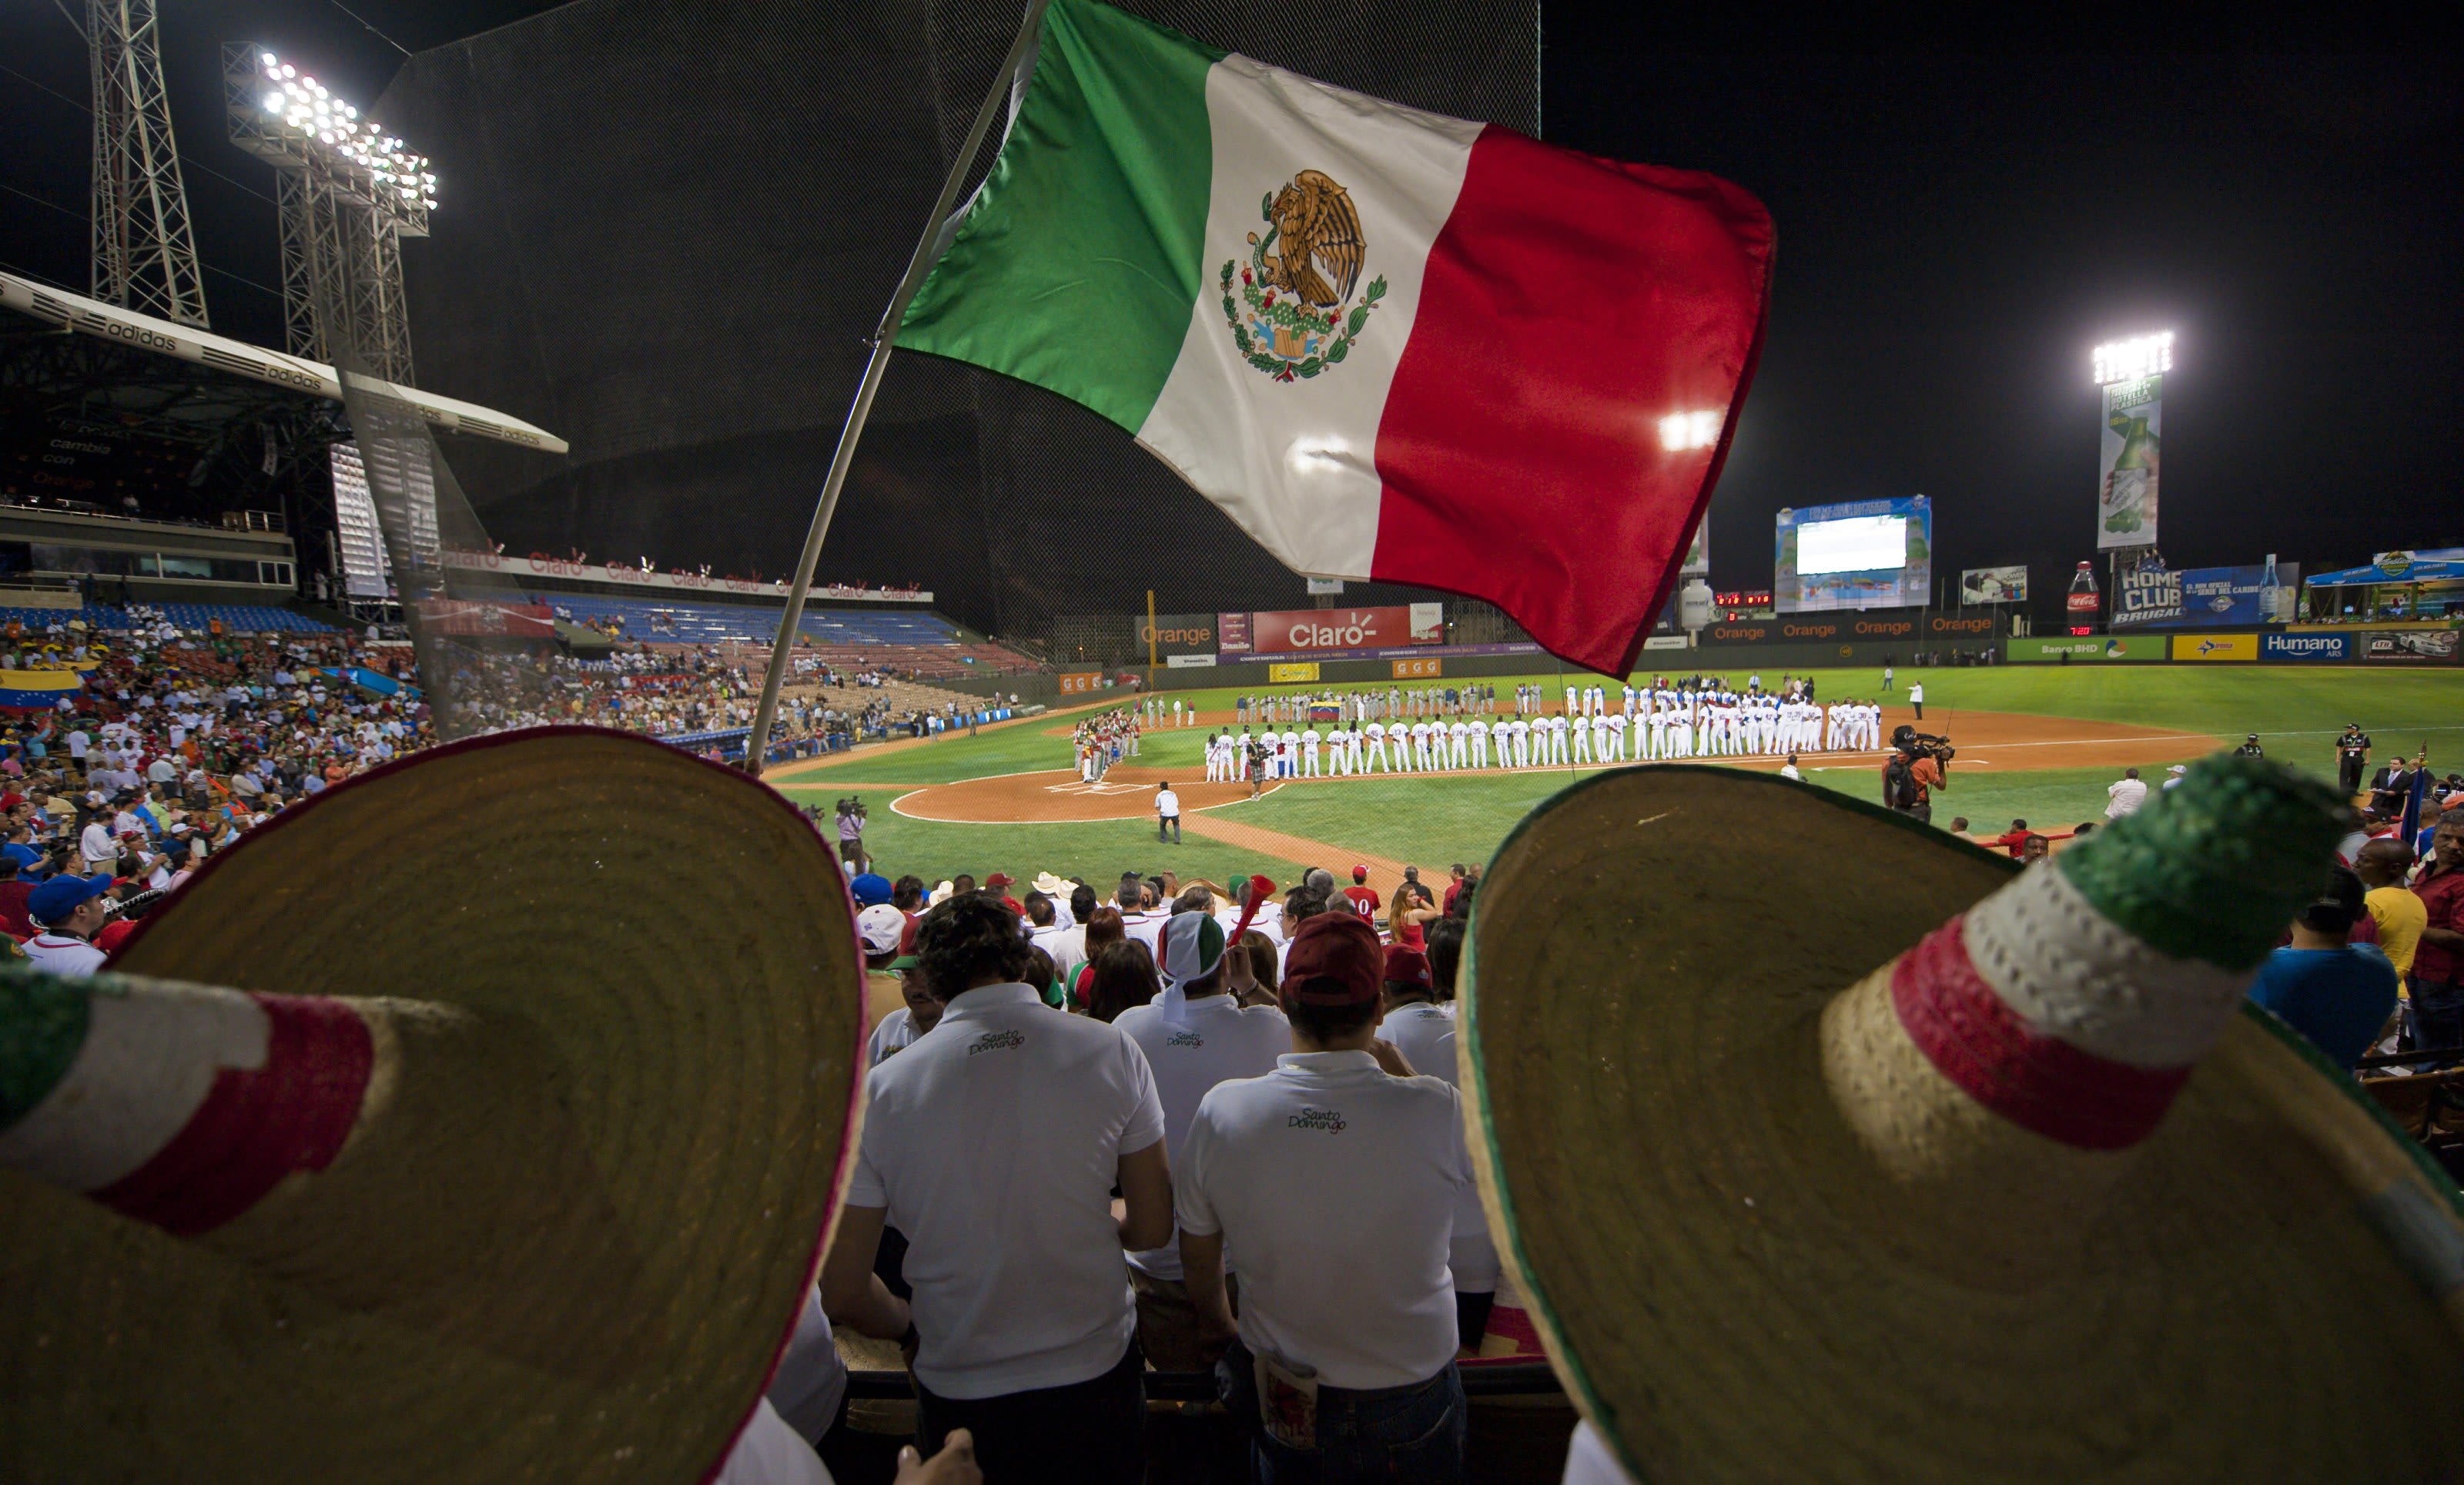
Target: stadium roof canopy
{"x":180,"y":381}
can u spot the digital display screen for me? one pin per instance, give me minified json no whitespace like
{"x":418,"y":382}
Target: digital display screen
{"x":1863,"y":543}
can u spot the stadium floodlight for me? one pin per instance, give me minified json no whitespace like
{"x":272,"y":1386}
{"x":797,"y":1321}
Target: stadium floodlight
{"x":2134,"y":359}
{"x":301,"y":111}
{"x":1679,"y":431}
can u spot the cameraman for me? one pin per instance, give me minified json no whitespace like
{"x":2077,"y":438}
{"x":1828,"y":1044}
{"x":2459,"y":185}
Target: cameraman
{"x":1911,"y":775}
{"x":851,"y":852}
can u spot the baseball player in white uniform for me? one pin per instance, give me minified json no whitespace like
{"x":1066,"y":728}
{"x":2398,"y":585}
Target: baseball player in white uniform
{"x":1376,"y":750}
{"x":1287,"y":754}
{"x":1582,"y":728}
{"x":1459,"y":743}
{"x":1308,"y":752}
{"x":1476,"y":735}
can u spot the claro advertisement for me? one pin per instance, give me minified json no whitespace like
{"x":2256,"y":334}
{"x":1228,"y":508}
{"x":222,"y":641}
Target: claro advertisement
{"x":1303,"y":630}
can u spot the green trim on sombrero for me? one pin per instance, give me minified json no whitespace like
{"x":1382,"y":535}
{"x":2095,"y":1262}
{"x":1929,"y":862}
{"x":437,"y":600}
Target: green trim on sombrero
{"x":43,"y":1022}
{"x":1474,"y":1070}
{"x":2239,"y":840}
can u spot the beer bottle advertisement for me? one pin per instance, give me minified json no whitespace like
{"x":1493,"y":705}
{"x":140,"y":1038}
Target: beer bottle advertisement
{"x":2132,"y":448}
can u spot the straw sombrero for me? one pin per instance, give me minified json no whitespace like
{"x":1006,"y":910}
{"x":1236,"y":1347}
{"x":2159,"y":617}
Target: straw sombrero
{"x":1789,"y":1203}
{"x":512,"y":1163}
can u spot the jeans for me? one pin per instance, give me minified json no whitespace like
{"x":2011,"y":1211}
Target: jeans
{"x":2436,"y":1011}
{"x":1091,"y":1432}
{"x":1414,"y":1436}
{"x":1168,"y":827}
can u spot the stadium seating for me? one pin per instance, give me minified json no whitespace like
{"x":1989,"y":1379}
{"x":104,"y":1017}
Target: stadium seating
{"x":902,"y":640}
{"x":236,"y":618}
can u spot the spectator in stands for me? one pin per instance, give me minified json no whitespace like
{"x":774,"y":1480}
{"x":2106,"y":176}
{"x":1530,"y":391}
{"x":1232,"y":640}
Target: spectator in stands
{"x":995,"y":1145}
{"x":1195,"y":1036}
{"x":1362,"y":896}
{"x":69,"y":911}
{"x":1336,"y":1184}
{"x":1103,"y":928}
{"x":1124,"y":975}
{"x":2397,"y":916}
{"x":1423,"y":1035}
{"x":2437,"y":979}
{"x":2334,"y":992}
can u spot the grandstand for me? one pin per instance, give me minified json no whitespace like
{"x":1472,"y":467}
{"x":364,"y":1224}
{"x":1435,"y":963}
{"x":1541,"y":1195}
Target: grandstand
{"x":910,"y":640}
{"x":234,"y":618}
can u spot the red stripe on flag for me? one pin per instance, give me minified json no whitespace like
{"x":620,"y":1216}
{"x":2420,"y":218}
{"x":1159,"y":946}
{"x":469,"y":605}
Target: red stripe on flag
{"x":1569,"y":305}
{"x":2037,"y":1081}
{"x":257,"y":1127}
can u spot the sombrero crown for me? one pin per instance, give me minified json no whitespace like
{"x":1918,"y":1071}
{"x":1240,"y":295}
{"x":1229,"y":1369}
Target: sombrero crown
{"x":2021,"y":1203}
{"x":442,"y":1168}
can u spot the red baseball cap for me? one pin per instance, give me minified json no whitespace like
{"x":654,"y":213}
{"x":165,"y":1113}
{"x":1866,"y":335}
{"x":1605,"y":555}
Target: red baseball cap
{"x":1335,"y":960}
{"x":1000,"y":879}
{"x":1360,"y":874}
{"x":1409,"y":967}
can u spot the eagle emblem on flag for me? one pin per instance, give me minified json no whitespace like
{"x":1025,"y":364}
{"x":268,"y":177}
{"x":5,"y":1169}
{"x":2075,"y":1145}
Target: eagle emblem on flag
{"x":1289,"y":315}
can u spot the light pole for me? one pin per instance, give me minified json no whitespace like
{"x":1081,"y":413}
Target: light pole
{"x":2130,"y":379}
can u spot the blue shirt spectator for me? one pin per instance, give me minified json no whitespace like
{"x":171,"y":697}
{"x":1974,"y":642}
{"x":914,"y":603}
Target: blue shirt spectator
{"x":2336,"y":997}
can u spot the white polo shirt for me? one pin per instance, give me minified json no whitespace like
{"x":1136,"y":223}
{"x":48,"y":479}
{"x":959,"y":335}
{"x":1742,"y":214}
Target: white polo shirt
{"x":1148,"y":929}
{"x":1167,"y":804}
{"x":1219,"y":1041}
{"x":1336,"y":1184}
{"x":994,"y":1141}
{"x":1425,"y":1033}
{"x":895,"y":1032}
{"x":61,"y":955}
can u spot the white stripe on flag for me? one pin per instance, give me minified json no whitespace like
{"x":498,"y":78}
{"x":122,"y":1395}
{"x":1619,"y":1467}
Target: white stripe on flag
{"x":1294,"y":462}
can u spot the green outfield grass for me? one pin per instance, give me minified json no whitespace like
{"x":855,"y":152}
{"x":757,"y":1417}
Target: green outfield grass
{"x":1433,"y":821}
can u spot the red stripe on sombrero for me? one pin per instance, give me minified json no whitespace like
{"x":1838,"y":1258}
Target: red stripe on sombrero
{"x":2035,"y":1080}
{"x":257,"y":1127}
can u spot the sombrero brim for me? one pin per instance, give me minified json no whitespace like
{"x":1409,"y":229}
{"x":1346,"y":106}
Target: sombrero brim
{"x":1729,"y":1293}
{"x":631,"y":1206}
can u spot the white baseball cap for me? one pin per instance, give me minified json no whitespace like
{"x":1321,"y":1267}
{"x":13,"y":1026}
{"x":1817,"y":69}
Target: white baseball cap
{"x":881,"y":927}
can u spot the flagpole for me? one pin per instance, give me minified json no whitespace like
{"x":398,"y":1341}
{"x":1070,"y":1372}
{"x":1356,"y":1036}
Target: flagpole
{"x":758,"y":745}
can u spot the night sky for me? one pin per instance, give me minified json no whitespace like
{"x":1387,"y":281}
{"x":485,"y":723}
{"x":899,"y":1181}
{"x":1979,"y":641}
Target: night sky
{"x":1955,"y":234}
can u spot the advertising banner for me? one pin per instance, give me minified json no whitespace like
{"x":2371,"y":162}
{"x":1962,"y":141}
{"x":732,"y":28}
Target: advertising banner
{"x":1994,"y":585}
{"x":2202,"y":597}
{"x":2112,"y":647}
{"x":460,"y":617}
{"x":1666,"y":642}
{"x":2215,"y":647}
{"x":1882,"y":625}
{"x":2126,"y":467}
{"x":1188,"y":662}
{"x":1291,"y":673}
{"x":1079,"y":682}
{"x":1301,"y":629}
{"x":1324,"y":587}
{"x":1178,"y":633}
{"x":1232,"y":633}
{"x":2408,"y":645}
{"x":1862,"y":554}
{"x":2327,"y":648}
{"x":1420,"y":670}
{"x":1698,"y":554}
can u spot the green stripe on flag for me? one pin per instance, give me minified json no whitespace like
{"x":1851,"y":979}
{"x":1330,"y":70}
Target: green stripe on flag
{"x":43,"y":1022}
{"x":1082,"y":259}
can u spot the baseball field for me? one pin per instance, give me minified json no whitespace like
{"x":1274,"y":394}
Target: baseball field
{"x":2037,"y":742}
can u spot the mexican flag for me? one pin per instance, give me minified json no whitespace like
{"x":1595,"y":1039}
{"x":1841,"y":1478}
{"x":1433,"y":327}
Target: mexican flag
{"x":1392,"y":345}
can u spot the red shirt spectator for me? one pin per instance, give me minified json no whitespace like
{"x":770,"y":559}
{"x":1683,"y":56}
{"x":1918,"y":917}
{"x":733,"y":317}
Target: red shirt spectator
{"x":1362,"y":896}
{"x":2441,"y":890}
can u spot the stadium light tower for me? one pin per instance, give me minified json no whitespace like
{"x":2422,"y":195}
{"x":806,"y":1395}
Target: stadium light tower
{"x":2134,"y":359}
{"x":350,"y":193}
{"x":144,"y":253}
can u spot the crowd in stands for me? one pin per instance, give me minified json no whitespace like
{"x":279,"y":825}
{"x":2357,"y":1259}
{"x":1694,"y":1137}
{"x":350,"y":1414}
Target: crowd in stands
{"x":1265,"y":1078}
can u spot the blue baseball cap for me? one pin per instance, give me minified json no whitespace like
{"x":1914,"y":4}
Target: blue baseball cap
{"x":870,"y":889}
{"x":56,"y":900}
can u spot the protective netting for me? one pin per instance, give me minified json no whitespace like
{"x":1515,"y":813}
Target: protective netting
{"x":666,"y":232}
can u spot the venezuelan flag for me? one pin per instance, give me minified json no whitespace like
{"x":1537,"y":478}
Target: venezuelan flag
{"x":38,"y":691}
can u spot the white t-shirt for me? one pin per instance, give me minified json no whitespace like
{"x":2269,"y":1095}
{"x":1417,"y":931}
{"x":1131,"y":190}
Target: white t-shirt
{"x":71,"y":958}
{"x":2127,"y":795}
{"x":1589,"y":1462}
{"x":768,"y":1453}
{"x":995,"y":1143}
{"x":1327,"y":1156}
{"x":1148,"y":929}
{"x":811,"y":1381}
{"x":97,"y":845}
{"x":1219,"y":1040}
{"x":1425,"y":1033}
{"x":1166,"y":803}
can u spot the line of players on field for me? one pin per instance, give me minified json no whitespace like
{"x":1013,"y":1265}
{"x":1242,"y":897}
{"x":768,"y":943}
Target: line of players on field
{"x":1653,"y":724}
